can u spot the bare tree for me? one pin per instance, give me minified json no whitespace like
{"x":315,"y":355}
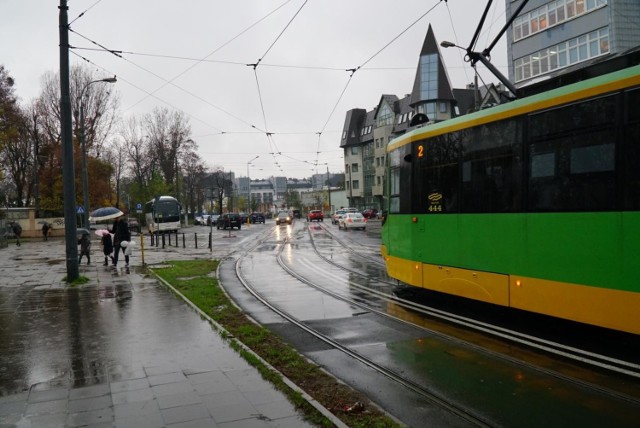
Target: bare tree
{"x":100,"y":104}
{"x":167,"y":132}
{"x":193,"y":172}
{"x":117,"y":157}
{"x":138,"y":151}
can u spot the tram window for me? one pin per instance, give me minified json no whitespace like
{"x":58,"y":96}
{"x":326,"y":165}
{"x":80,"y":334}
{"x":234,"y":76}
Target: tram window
{"x":578,"y":175}
{"x":632,"y":172}
{"x":543,"y":165}
{"x":491,"y":168}
{"x":632,"y":152}
{"x":591,"y":114}
{"x":597,"y":158}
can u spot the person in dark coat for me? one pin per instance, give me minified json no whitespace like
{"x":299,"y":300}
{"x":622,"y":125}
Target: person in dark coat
{"x":85,"y":247}
{"x":107,"y":248}
{"x":17,"y":230}
{"x":120,"y":233}
{"x":45,"y":231}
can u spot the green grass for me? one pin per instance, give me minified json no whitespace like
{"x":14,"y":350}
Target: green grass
{"x":196,"y":280}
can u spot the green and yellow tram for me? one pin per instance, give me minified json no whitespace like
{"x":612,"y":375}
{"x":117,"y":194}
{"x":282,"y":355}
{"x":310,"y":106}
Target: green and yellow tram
{"x":534,"y":204}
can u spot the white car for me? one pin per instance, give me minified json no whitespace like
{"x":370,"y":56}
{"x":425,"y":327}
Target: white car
{"x":352,"y":221}
{"x":335,"y":218}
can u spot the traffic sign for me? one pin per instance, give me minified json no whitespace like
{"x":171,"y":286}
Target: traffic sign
{"x":80,"y":210}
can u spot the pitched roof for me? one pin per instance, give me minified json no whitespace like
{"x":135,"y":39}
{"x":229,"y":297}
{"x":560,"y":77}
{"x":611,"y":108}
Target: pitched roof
{"x":444,"y":92}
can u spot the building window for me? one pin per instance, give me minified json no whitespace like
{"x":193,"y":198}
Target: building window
{"x":385,"y":116}
{"x":551,"y":14}
{"x":580,"y":49}
{"x":429,"y":77}
{"x":354,"y":150}
{"x":356,"y":184}
{"x":354,"y":167}
{"x":344,"y":134}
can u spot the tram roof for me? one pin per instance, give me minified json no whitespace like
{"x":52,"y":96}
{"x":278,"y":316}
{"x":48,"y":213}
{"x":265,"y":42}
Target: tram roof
{"x":596,"y":86}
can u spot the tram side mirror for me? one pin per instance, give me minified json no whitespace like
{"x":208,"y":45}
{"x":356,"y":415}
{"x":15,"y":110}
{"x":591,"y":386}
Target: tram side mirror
{"x":408,"y":158}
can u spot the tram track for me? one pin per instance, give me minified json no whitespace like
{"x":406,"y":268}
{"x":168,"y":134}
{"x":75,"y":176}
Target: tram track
{"x":442,"y":402}
{"x":303,"y":270}
{"x":558,"y":349}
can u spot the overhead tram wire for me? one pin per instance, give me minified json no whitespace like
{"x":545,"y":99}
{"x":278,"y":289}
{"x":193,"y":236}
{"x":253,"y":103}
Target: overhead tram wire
{"x":124,"y":80}
{"x":455,"y":35}
{"x":354,"y":70}
{"x":85,"y":11}
{"x":216,"y":50}
{"x":268,"y":134}
{"x":117,"y":53}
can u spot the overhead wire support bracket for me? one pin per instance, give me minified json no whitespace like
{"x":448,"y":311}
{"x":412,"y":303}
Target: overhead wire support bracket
{"x":485,"y":56}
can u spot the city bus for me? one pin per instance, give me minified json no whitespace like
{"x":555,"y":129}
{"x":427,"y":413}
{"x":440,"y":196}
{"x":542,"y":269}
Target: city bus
{"x":162,"y":214}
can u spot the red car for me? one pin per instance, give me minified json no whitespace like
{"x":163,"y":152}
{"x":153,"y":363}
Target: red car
{"x":315,"y":215}
{"x":370,"y":213}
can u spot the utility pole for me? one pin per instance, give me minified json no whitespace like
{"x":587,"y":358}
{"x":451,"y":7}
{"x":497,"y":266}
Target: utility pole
{"x":329,"y":189}
{"x":68,"y":180}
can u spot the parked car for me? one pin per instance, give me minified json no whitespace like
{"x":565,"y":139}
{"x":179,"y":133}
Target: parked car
{"x":283,"y":217}
{"x":213,"y":218}
{"x":229,"y":221}
{"x":335,"y":218}
{"x":316,"y":215}
{"x":257,"y":218}
{"x":134,"y":226}
{"x":352,"y":221}
{"x":370,"y":213}
{"x":201,"y":219}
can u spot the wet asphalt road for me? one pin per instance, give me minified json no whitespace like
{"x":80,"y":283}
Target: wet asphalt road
{"x":120,"y":350}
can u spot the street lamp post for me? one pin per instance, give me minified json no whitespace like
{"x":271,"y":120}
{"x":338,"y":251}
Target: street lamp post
{"x":249,"y":190}
{"x":85,"y":176}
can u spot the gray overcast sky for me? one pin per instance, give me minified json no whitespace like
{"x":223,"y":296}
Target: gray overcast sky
{"x":202,"y":47}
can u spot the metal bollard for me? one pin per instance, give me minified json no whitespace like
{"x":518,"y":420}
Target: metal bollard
{"x":183,"y":242}
{"x":211,"y":241}
{"x":163,"y":240}
{"x":196,"y":239}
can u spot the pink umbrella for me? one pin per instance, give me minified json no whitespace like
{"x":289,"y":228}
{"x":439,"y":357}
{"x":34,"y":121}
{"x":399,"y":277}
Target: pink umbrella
{"x":102,"y":232}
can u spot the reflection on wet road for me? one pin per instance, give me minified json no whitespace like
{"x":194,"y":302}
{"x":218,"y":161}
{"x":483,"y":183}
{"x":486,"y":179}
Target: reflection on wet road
{"x":78,"y":336}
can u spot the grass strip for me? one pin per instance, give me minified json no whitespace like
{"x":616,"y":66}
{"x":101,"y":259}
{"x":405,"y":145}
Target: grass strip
{"x":196,"y":280}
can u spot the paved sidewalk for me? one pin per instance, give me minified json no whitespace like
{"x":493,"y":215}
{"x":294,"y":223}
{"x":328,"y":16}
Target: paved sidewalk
{"x":120,"y":350}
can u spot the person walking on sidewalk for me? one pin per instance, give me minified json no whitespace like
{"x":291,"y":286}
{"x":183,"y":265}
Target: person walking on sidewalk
{"x":17,"y":230}
{"x":121,"y":234}
{"x":45,"y":231}
{"x":85,"y":247}
{"x":107,"y":248}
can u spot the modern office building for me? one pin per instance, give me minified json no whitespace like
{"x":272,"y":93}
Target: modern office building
{"x":552,"y":37}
